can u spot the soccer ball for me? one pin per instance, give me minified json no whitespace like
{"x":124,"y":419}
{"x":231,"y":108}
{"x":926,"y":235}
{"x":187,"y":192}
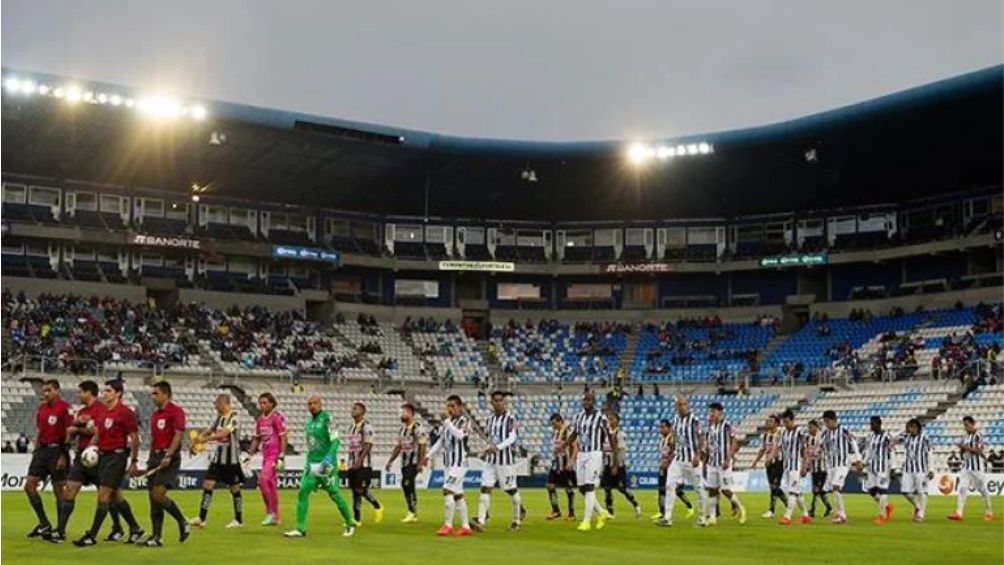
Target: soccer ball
{"x":89,"y":457}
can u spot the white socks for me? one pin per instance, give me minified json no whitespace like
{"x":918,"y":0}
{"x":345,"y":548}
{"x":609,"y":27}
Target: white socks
{"x":484,"y":502}
{"x":590,"y":504}
{"x":883,"y":503}
{"x":838,"y":496}
{"x":790,"y":507}
{"x":923,"y":503}
{"x":801,"y":504}
{"x":517,"y":506}
{"x":449,"y":505}
{"x":709,"y":506}
{"x":465,"y":521}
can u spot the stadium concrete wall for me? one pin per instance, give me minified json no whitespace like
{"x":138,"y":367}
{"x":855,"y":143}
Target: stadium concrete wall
{"x":728,"y":314}
{"x":882,"y":306}
{"x":34,"y":287}
{"x":225,"y":300}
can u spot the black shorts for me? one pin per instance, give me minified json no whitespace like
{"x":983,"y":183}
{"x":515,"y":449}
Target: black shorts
{"x":663,"y":476}
{"x":775,"y":472}
{"x":112,"y":468}
{"x":359,"y":479}
{"x":408,"y":474}
{"x":609,"y":480}
{"x":45,"y":463}
{"x":818,"y":481}
{"x":563,"y":478}
{"x":227,"y":473}
{"x":166,"y":477}
{"x":86,"y":476}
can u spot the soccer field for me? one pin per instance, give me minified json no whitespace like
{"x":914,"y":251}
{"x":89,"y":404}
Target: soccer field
{"x":624,"y":540}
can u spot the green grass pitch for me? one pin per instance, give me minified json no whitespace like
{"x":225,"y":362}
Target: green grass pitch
{"x":624,"y":540}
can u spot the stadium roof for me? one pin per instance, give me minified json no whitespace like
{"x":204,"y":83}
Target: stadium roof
{"x":930,"y":140}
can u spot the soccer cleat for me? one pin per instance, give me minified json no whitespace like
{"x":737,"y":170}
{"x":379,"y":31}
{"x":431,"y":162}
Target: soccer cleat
{"x":570,"y":518}
{"x":879,"y":520}
{"x":295,"y":534}
{"x":348,"y":531}
{"x":477,"y":526}
{"x":115,"y":535}
{"x":40,"y":531}
{"x":955,"y":517}
{"x":664,"y":523}
{"x":463,"y":532}
{"x":637,"y":512}
{"x":711,"y":521}
{"x":768,"y":514}
{"x":54,"y":537}
{"x":514,"y":527}
{"x":522,"y":513}
{"x":135,"y":535}
{"x":601,"y":519}
{"x":445,"y":530}
{"x":409,"y":518}
{"x":691,"y":511}
{"x":805,"y":520}
{"x":552,"y":516}
{"x":917,"y":517}
{"x":152,"y":542}
{"x":889,"y":507}
{"x":184,"y":533}
{"x":584,"y":526}
{"x":988,"y":517}
{"x":655,"y":517}
{"x":234,"y":524}
{"x":269,"y":520}
{"x":611,"y":516}
{"x":828,"y":511}
{"x":785,"y":521}
{"x":198,"y":523}
{"x":742,"y":514}
{"x":378,"y":515}
{"x":701,"y":522}
{"x":839,"y":519}
{"x":86,"y":541}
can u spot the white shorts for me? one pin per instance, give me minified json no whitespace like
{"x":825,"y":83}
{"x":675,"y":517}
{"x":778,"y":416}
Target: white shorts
{"x":792,"y":482}
{"x":972,"y":481}
{"x":504,"y":475}
{"x":877,"y":480}
{"x":453,"y":479}
{"x":717,"y":478}
{"x":836,"y":477}
{"x":680,"y":472}
{"x":588,"y":466}
{"x":913,"y":483}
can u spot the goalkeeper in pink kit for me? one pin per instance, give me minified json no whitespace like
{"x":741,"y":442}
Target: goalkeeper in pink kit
{"x":270,"y":439}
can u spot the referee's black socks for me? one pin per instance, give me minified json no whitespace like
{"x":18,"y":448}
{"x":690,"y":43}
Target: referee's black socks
{"x":552,"y":495}
{"x":207,"y":499}
{"x":36,"y":504}
{"x":126,"y":512}
{"x":238,"y":506}
{"x":171,"y":508}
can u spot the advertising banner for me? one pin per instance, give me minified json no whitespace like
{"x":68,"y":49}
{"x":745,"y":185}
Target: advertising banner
{"x":489,"y":266}
{"x":637,"y":268}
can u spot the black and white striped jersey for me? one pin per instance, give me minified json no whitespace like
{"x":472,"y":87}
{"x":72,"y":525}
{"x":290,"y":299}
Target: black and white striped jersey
{"x":359,"y":435}
{"x":591,"y":429}
{"x":916,"y":453}
{"x":687,"y":433}
{"x":879,"y":452}
{"x":719,"y":437}
{"x":771,"y":442}
{"x":792,"y":442}
{"x":972,"y":461}
{"x":618,"y":458}
{"x":817,"y":459}
{"x":453,"y":441}
{"x":839,"y":443}
{"x":228,"y":450}
{"x":409,"y":438}
{"x":502,"y":433}
{"x":665,"y":450}
{"x":561,"y":451}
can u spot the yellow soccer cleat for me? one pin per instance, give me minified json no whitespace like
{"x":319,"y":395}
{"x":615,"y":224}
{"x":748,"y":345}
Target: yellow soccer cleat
{"x":690,"y":512}
{"x":378,"y":515}
{"x":584,"y":527}
{"x":742,"y":514}
{"x":601,"y":519}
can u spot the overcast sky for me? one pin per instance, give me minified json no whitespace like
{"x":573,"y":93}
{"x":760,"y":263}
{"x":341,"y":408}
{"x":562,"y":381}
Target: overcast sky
{"x":542,"y":69}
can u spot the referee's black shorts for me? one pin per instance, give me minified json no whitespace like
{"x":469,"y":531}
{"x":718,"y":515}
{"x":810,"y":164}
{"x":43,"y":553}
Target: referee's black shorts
{"x":166,"y":477}
{"x":610,"y":480}
{"x":227,"y":473}
{"x":86,"y":476}
{"x":112,"y":468}
{"x":49,"y":461}
{"x":359,"y":479}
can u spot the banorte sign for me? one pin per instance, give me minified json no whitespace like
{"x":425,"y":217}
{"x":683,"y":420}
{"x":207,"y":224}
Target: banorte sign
{"x":172,"y":242}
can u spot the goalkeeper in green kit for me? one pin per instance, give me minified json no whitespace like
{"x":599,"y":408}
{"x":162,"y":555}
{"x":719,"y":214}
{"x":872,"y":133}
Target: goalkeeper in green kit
{"x":320,"y":470}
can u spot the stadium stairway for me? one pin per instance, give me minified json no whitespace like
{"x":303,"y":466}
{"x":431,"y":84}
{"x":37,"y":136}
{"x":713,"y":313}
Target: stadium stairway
{"x":247,"y":401}
{"x":630,"y":347}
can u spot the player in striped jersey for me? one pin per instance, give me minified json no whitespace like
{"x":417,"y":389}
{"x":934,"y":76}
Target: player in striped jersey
{"x":686,"y":464}
{"x":973,"y":474}
{"x":721,"y":452}
{"x":453,"y":443}
{"x":562,"y":467}
{"x":615,"y":466}
{"x":878,"y":460}
{"x":794,"y":452}
{"x":500,"y":457}
{"x":360,"y":438}
{"x":770,"y":453}
{"x":589,"y":429}
{"x":224,"y":464}
{"x":841,"y":450}
{"x":916,"y":467}
{"x":412,"y":442}
{"x":817,"y":469}
{"x":666,"y":449}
